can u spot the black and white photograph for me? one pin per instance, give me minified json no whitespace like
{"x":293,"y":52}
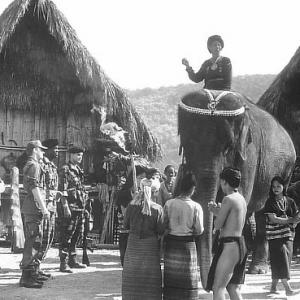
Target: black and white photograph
{"x":149,"y":149}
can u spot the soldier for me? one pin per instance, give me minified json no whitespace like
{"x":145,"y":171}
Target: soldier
{"x":50,"y":179}
{"x":34,"y":210}
{"x":73,"y":207}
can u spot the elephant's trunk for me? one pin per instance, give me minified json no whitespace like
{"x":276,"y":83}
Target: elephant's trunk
{"x":206,"y":192}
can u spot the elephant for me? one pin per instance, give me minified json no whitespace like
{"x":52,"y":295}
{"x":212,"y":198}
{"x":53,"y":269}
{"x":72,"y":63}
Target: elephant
{"x":223,"y":128}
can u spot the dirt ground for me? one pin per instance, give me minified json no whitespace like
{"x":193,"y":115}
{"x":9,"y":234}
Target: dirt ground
{"x":102,"y":280}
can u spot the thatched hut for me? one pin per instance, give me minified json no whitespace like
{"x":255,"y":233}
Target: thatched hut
{"x":282,"y":98}
{"x":49,"y":82}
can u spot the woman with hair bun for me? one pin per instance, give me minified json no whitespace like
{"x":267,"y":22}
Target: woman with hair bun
{"x":216,"y":71}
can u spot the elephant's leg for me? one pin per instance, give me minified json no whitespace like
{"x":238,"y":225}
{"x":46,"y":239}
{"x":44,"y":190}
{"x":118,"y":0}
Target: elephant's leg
{"x":259,"y":264}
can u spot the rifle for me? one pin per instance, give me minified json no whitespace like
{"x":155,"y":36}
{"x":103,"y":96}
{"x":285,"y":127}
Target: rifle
{"x":85,"y":239}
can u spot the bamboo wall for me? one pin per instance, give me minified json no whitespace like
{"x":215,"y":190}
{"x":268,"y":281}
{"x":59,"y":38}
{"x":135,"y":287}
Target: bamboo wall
{"x":17,"y":128}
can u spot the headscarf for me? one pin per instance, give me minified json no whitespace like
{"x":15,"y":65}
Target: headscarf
{"x":143,"y":198}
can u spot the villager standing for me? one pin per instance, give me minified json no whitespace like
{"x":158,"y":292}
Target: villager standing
{"x":73,"y":203}
{"x":166,"y":189}
{"x":183,"y":220}
{"x":282,"y":217}
{"x":124,"y":197}
{"x":151,"y":179}
{"x":141,"y":277}
{"x":293,"y":191}
{"x":227,"y":269}
{"x":50,"y":178}
{"x":34,"y":210}
{"x":216,"y":71}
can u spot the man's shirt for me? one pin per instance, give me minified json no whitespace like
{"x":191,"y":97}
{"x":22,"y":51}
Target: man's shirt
{"x":32,"y":179}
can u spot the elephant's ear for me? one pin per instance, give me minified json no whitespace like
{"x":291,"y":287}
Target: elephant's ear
{"x":245,"y":136}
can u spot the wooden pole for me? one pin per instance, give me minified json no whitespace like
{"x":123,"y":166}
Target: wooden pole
{"x":105,"y":228}
{"x":17,"y":223}
{"x":135,"y":187}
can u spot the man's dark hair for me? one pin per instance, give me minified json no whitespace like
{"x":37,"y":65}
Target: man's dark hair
{"x":232,"y":176}
{"x":187,"y":182}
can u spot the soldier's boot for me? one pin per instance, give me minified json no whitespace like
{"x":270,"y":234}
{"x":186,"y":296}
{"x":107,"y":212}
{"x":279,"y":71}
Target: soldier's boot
{"x":38,"y":277}
{"x":73,"y":264}
{"x":28,"y":281}
{"x":42,"y":273}
{"x":63,"y":264}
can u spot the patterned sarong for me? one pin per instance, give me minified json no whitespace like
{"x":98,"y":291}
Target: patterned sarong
{"x":181,"y":274}
{"x":141,"y":278}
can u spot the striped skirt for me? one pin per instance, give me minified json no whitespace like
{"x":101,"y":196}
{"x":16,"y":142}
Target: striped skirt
{"x":141,"y":278}
{"x":181,"y":274}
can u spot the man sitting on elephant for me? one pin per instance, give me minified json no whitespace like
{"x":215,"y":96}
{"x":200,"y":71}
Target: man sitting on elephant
{"x":227,"y":270}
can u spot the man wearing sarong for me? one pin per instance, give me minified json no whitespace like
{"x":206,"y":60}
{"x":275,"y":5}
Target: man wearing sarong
{"x":183,"y":220}
{"x":34,"y":210}
{"x":227,"y":270}
{"x":50,"y":179}
{"x":73,"y":203}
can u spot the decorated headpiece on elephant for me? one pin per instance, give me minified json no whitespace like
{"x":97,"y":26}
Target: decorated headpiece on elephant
{"x":223,"y":128}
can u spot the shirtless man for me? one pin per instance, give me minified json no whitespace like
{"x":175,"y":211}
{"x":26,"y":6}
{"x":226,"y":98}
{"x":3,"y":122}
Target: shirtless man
{"x":227,"y":270}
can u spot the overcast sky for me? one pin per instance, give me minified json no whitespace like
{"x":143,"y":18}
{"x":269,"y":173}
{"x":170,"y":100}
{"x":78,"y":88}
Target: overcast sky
{"x":140,"y":43}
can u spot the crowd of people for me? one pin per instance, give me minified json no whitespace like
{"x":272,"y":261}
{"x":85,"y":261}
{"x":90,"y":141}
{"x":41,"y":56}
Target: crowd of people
{"x":157,"y":227}
{"x":166,"y":233}
{"x":169,"y":225}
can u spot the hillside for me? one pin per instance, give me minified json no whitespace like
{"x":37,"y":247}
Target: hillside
{"x":158,"y":108}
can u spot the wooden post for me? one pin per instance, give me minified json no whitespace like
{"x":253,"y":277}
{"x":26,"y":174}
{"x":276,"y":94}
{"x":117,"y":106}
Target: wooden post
{"x":135,"y":187}
{"x":17,"y":223}
{"x":106,"y":229}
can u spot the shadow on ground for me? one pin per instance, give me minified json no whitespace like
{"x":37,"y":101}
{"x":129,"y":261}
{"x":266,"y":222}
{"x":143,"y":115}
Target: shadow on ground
{"x":102,"y":280}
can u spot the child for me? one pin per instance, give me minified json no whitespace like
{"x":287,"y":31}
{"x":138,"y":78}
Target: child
{"x":282,"y":215}
{"x":167,"y":186}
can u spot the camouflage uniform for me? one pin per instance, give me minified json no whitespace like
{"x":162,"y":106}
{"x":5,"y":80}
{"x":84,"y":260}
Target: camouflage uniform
{"x":32,"y":214}
{"x":70,"y":184}
{"x":50,"y":181}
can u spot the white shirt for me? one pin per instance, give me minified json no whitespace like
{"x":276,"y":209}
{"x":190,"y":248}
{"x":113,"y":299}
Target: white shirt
{"x":183,"y":216}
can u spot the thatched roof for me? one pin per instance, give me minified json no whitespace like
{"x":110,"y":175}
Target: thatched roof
{"x":282,"y":98}
{"x":44,"y":67}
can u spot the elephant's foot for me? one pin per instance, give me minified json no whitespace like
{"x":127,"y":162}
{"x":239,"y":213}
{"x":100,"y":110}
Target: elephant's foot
{"x":259,"y":268}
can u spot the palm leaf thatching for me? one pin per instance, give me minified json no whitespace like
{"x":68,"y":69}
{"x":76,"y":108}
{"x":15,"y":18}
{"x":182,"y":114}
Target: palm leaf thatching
{"x":282,"y":98}
{"x":45,"y":68}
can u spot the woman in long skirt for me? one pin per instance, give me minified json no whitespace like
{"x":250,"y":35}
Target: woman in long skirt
{"x":183,"y":219}
{"x":282,"y":213}
{"x":141,"y":278}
